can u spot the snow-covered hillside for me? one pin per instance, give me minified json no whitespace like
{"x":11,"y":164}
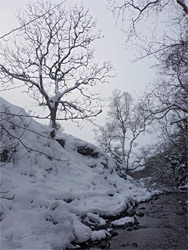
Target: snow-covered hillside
{"x":50,"y":188}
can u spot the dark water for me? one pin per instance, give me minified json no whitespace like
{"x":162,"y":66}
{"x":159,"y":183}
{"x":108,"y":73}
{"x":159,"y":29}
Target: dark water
{"x":162,"y":224}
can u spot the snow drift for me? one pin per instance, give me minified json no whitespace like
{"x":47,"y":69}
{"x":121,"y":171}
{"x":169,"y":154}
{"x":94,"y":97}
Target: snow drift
{"x":53,"y":191}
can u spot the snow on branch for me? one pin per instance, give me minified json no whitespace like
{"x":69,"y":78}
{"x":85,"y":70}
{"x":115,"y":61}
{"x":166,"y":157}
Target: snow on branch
{"x":173,"y":106}
{"x":183,"y":5}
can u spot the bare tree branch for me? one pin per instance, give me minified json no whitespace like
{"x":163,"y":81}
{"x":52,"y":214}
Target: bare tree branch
{"x":22,"y":26}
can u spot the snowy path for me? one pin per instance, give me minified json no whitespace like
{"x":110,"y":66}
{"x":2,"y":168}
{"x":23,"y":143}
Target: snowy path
{"x":162,"y":225}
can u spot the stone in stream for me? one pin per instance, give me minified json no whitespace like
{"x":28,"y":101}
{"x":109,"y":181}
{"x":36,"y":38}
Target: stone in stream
{"x":113,"y":233}
{"x":134,"y":244}
{"x":104,"y":244}
{"x":132,"y":213}
{"x":140,"y":214}
{"x":142,"y":208}
{"x":180,"y":213}
{"x":136,"y":227}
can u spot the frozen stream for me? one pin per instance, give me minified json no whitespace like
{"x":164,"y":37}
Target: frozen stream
{"x":162,"y":225}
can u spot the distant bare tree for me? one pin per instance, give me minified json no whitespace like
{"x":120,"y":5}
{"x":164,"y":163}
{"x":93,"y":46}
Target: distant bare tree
{"x":53,"y":57}
{"x":125,"y":122}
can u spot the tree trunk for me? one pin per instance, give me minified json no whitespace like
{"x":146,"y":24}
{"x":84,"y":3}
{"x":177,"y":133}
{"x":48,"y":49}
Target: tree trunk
{"x":53,"y":114}
{"x":186,"y":143}
{"x":123,"y":152}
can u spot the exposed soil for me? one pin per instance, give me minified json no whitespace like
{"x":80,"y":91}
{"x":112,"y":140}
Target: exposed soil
{"x":162,"y":224}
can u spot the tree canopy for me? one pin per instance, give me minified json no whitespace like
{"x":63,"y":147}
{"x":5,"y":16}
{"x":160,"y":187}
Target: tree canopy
{"x":53,"y":56}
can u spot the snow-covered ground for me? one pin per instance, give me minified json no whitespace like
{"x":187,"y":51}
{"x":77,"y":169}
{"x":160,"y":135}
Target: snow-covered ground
{"x":52,"y":194}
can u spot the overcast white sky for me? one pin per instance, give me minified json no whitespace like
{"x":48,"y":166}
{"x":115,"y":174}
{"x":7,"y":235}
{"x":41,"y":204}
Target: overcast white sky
{"x":129,"y":77}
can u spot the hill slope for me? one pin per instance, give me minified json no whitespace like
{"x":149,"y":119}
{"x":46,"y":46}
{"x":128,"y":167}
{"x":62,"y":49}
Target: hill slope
{"x":49,"y":188}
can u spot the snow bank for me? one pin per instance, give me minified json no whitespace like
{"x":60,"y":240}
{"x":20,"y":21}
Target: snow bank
{"x":50,"y":188}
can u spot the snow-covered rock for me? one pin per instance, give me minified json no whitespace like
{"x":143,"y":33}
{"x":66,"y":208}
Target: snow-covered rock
{"x":49,"y":189}
{"x":123,"y":221}
{"x":98,"y":235}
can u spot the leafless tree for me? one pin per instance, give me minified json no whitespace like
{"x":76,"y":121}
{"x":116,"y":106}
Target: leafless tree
{"x":53,"y":57}
{"x":125,"y":122}
{"x":167,"y":103}
{"x":159,"y":28}
{"x":148,"y":24}
{"x":169,"y":46}
{"x":168,"y":96}
{"x":167,"y":164}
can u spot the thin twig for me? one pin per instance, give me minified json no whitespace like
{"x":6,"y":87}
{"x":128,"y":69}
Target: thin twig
{"x":38,"y":17}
